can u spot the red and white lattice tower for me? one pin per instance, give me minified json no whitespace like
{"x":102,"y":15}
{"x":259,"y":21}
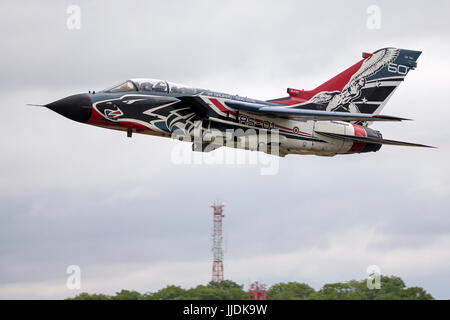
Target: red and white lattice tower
{"x":217,"y":267}
{"x":257,"y":291}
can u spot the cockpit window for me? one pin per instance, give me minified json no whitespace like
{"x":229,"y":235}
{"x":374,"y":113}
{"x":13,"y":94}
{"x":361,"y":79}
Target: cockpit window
{"x":179,"y":88}
{"x":155,"y":85}
{"x":161,"y":86}
{"x":124,"y":87}
{"x":146,"y":86}
{"x":152,"y":85}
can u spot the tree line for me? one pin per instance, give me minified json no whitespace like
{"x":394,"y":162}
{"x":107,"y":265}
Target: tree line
{"x":392,"y":288}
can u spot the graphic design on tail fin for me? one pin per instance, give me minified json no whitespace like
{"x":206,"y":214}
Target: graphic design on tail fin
{"x":365,"y":87}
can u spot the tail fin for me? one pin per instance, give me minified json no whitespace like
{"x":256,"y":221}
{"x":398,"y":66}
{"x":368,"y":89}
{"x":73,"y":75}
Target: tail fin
{"x":364,"y":87}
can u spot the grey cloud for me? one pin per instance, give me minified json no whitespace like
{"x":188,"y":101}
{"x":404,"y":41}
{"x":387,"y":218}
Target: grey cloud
{"x":74,"y":194}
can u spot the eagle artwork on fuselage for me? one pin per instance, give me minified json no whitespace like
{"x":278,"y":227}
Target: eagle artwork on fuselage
{"x":333,"y":118}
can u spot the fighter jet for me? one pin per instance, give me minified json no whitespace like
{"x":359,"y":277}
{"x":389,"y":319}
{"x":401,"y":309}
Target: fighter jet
{"x":332,"y":119}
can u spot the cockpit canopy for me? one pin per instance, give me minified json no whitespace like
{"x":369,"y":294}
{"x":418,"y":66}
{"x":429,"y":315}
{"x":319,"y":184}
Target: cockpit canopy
{"x":127,"y":86}
{"x":152,"y":85}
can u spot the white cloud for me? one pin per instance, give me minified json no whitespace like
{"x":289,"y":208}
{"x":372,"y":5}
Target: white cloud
{"x":346,"y":256}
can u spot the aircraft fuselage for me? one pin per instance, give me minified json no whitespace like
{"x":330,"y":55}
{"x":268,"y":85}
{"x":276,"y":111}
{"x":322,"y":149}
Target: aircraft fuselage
{"x":166,"y":115}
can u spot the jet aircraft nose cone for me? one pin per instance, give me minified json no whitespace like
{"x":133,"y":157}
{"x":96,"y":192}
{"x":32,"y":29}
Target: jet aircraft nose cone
{"x":77,"y":107}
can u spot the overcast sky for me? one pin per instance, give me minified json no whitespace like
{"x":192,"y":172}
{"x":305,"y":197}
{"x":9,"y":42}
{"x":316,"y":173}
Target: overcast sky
{"x":72,"y":194}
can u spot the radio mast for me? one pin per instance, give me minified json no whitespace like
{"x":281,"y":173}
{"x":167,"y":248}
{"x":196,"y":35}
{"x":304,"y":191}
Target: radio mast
{"x":217,"y":237}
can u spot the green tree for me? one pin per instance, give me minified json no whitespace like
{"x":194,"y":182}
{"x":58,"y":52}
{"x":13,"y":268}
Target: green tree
{"x":202,"y":292}
{"x":223,"y":290}
{"x":333,"y":291}
{"x":289,"y":291}
{"x":170,"y":292}
{"x":87,"y":296}
{"x":127,"y":295}
{"x":417,"y":293}
{"x":225,"y":285}
{"x":392,"y":288}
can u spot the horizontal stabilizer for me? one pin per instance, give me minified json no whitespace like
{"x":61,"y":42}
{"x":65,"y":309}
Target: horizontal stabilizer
{"x":372,"y":140}
{"x":305,"y":114}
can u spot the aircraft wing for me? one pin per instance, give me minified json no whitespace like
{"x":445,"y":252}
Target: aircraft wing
{"x":307,"y":114}
{"x":372,"y":140}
